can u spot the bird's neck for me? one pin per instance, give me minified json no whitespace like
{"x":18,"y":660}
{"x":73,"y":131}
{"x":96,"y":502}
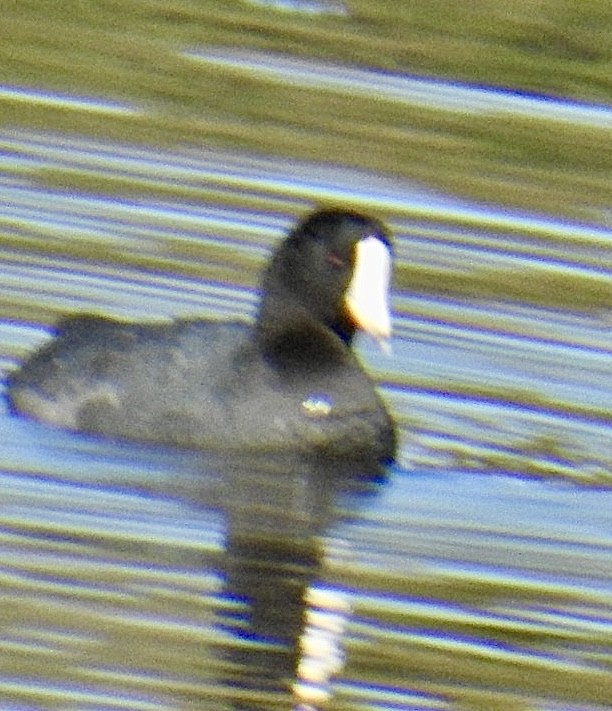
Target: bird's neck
{"x":287,"y":333}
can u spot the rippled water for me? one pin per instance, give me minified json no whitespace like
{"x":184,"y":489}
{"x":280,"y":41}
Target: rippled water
{"x":475,"y":575}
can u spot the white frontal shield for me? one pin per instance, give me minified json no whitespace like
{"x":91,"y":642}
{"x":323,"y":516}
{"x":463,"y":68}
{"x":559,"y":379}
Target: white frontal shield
{"x":367,"y":296}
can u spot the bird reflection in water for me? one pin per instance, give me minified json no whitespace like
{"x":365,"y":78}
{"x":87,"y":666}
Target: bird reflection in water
{"x":285,"y":622}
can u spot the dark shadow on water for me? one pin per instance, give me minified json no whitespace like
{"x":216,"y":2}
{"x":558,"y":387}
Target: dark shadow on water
{"x":277,"y":517}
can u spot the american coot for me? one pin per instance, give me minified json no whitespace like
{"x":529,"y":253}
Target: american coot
{"x":288,"y":383}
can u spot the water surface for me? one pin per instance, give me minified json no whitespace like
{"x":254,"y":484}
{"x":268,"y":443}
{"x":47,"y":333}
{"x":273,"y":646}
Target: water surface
{"x":476,"y":574}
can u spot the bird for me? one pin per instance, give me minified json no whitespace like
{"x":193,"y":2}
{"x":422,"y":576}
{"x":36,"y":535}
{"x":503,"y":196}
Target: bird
{"x":288,"y":383}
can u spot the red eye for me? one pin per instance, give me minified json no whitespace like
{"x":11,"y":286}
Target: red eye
{"x":335,"y":260}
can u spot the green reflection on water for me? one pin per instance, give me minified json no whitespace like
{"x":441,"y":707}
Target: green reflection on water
{"x":132,"y":51}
